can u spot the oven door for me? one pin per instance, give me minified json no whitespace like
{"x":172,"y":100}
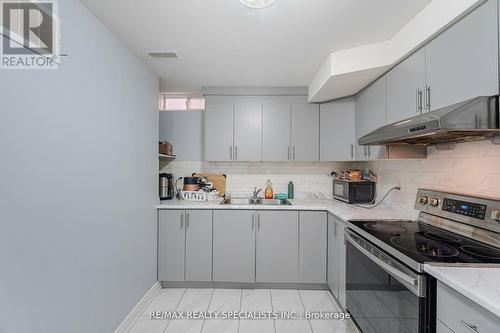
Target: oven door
{"x":383,"y":295}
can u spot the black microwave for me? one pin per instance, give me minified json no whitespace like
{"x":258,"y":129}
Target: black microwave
{"x":354,"y":192}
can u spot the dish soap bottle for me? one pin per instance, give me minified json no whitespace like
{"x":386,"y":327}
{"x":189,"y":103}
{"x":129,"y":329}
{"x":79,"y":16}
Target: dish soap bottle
{"x":269,"y":190}
{"x":290,"y":190}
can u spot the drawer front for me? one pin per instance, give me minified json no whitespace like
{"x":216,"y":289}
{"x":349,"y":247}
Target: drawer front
{"x":462,"y":315}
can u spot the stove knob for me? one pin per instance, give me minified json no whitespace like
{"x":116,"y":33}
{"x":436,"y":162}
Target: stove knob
{"x":434,"y":202}
{"x":423,"y":200}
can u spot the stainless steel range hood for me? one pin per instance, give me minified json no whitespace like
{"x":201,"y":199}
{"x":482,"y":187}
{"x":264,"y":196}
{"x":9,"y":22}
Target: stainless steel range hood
{"x":472,"y":120}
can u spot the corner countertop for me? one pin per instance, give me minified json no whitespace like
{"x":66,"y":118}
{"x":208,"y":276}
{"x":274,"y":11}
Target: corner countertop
{"x":346,"y":212}
{"x":479,"y":284}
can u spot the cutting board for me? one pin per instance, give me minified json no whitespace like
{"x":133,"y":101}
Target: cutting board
{"x":219,"y":181}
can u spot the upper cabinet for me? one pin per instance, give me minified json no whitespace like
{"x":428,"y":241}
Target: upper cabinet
{"x":337,"y":141}
{"x":406,"y":87}
{"x":305,"y":132}
{"x":276,"y":132}
{"x":219,"y":132}
{"x":261,"y":128}
{"x":370,"y":114}
{"x":462,"y":63}
{"x":247,"y":132}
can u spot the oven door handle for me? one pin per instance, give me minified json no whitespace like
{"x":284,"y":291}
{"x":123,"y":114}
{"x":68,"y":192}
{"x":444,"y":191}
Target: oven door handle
{"x":396,"y":273}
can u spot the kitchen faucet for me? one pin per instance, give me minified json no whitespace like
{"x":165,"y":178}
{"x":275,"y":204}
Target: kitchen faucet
{"x":256,"y":192}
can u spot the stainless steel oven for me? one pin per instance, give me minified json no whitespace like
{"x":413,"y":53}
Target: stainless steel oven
{"x":382,"y":294}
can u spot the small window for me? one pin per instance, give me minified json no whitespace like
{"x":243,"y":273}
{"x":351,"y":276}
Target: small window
{"x":176,"y":103}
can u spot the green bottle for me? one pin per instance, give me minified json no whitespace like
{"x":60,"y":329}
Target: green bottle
{"x":290,"y":190}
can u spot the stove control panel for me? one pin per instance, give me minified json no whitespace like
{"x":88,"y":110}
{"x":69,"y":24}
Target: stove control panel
{"x":470,"y":209}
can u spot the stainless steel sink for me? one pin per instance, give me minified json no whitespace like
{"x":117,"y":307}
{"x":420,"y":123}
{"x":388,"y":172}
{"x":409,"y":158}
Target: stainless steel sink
{"x":252,"y":201}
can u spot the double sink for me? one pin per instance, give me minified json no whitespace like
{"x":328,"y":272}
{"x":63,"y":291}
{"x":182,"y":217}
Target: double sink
{"x":256,"y":201}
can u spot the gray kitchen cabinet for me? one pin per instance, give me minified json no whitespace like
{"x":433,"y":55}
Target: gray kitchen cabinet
{"x":277,"y":246}
{"x":234,"y":246}
{"x":370,"y":115}
{"x":171,"y":245}
{"x":337,"y":130}
{"x":305,"y":132}
{"x":442,"y":328}
{"x":247,"y":132}
{"x":405,"y":88}
{"x":336,"y":278}
{"x":219,"y":132}
{"x":185,"y":245}
{"x":312,"y":247}
{"x":462,"y":63}
{"x":276,"y":132}
{"x":462,"y":315}
{"x":198,"y":245}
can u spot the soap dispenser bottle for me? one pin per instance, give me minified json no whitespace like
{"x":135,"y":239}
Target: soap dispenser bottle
{"x":269,"y":190}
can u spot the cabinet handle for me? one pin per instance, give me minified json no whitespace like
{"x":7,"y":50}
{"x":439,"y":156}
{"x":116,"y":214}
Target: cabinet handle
{"x":258,"y":221}
{"x":289,"y":153}
{"x":294,"y":153}
{"x":335,"y":229}
{"x":235,"y":153}
{"x":352,"y":151}
{"x":187,"y":220}
{"x":253,"y":221}
{"x":469,"y":327}
{"x":428,"y":98}
{"x":182,"y":220}
{"x":417,"y":106}
{"x":231,"y":152}
{"x":420,"y":103}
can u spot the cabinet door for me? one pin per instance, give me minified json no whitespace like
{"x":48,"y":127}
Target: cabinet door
{"x":462,"y":63}
{"x":333,"y":276}
{"x":198,"y":245}
{"x":234,"y":246}
{"x":305,"y":132}
{"x":312,"y":247}
{"x":171,"y":245}
{"x":370,"y":115}
{"x":405,"y":88}
{"x":277,"y":246}
{"x":337,"y":131}
{"x":219,"y":132}
{"x":341,"y":263}
{"x":248,"y":132}
{"x":276,"y":132}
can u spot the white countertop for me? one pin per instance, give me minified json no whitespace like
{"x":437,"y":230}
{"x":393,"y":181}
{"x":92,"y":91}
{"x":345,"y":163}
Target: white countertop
{"x":342,"y":210}
{"x":479,"y":284}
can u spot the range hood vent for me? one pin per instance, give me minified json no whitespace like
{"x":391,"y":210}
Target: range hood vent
{"x":162,"y":55}
{"x":473,"y":120}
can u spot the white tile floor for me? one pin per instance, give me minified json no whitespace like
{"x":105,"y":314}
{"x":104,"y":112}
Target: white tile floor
{"x":241,"y":300}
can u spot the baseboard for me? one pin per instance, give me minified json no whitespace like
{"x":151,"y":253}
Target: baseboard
{"x":238,"y":285}
{"x":136,"y":312}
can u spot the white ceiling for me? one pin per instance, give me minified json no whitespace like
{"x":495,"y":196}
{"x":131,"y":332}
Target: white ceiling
{"x":223,"y":43}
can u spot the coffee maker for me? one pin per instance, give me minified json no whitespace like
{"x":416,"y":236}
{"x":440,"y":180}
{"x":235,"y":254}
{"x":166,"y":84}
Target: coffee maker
{"x":166,"y":186}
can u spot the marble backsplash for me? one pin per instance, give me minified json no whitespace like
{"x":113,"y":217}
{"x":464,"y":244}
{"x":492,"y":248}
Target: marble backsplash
{"x":311,"y":179}
{"x":470,"y":168}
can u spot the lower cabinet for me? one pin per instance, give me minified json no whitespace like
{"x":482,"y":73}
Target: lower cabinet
{"x":277,"y":246}
{"x":234,"y":246}
{"x":312,"y":247}
{"x":461,"y":315}
{"x":248,"y":246}
{"x":336,"y":279}
{"x":185,"y":245}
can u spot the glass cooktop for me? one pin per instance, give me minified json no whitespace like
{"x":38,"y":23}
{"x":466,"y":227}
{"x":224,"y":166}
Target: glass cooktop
{"x":424,"y":243}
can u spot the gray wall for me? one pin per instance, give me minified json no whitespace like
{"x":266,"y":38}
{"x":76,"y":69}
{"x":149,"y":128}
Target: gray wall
{"x":78,"y":185}
{"x":184,"y":130}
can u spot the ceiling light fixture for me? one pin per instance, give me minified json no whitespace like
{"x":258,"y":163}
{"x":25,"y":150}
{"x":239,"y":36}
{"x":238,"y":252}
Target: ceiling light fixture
{"x":257,"y":4}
